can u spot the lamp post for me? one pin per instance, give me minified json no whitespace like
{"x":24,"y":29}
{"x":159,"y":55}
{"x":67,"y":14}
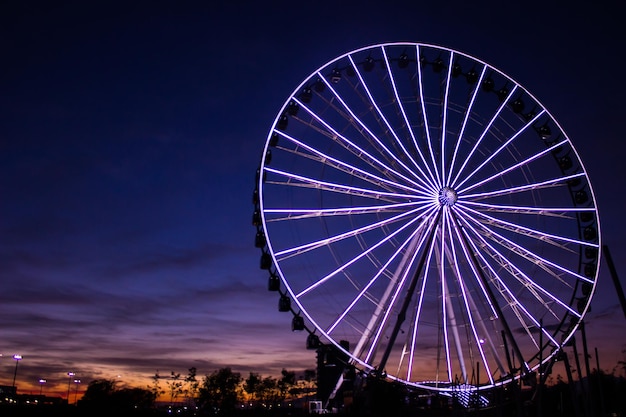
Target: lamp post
{"x":76,"y":381}
{"x":69,"y":382}
{"x":17,"y":358}
{"x":41,"y":382}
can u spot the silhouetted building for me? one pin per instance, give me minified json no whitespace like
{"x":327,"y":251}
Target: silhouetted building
{"x":331,"y":365}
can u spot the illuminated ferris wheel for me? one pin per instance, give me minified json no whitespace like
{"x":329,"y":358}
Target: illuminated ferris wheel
{"x":426,"y":214}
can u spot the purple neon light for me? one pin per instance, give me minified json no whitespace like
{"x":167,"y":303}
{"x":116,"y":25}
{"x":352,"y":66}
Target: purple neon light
{"x":373,"y":136}
{"x":515,"y":228}
{"x":534,"y":186}
{"x":384,"y":119}
{"x":527,"y":209}
{"x":507,"y":295}
{"x":479,"y":140}
{"x":504,"y":261}
{"x":418,"y":309}
{"x":324,"y":242}
{"x":348,"y":168}
{"x":528,"y":254}
{"x":406,"y":120}
{"x":444,"y":296}
{"x":426,"y":124}
{"x":374,"y":278}
{"x":335,"y":187}
{"x":515,"y":166}
{"x":445,"y":120}
{"x":515,"y":302}
{"x":477,"y":276}
{"x":512,"y":301}
{"x":346,"y":235}
{"x":340,"y":211}
{"x":465,"y":296}
{"x":500,"y":149}
{"x":399,"y":287}
{"x":352,"y":145}
{"x":468,"y":111}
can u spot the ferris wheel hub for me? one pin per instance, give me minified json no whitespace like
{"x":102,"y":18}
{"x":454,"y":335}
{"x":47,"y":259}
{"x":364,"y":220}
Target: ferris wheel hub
{"x":447,"y":196}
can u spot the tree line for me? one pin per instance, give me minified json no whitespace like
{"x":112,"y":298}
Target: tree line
{"x":218,"y":393}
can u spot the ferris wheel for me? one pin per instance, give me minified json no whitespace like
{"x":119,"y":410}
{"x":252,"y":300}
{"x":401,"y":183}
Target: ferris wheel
{"x":425,"y":213}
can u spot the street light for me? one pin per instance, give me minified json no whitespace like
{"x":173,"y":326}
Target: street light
{"x":69,"y":382}
{"x":76,"y":381}
{"x":41,"y":382}
{"x":17,"y":358}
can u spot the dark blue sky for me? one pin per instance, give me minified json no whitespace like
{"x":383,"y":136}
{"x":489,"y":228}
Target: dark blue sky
{"x":129,"y":139}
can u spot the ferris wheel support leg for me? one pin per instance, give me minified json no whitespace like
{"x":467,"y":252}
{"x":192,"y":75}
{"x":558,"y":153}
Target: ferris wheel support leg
{"x":409,"y":295}
{"x":523,"y":364}
{"x":618,"y":285}
{"x":570,"y":382}
{"x":506,"y":351}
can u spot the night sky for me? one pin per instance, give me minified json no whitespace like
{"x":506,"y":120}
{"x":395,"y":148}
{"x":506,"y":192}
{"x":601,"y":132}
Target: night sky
{"x":129,"y":140}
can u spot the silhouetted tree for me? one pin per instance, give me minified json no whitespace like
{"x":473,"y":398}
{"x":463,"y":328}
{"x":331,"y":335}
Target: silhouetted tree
{"x":133,"y":399}
{"x":156,"y":385}
{"x":102,"y":395}
{"x":286,"y":383}
{"x":98,"y":392}
{"x":268,"y":391}
{"x":220,"y":392}
{"x":251,"y":385}
{"x":175,"y":386}
{"x":192,"y":385}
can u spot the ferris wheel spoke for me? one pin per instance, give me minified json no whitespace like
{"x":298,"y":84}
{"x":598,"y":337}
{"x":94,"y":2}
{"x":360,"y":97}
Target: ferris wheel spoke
{"x":297,"y":214}
{"x":406,"y":265}
{"x":518,"y":250}
{"x":524,"y":279}
{"x":543,"y":263}
{"x":500,"y":149}
{"x":518,"y":309}
{"x":480,"y":139}
{"x":538,"y":211}
{"x":390,"y":128}
{"x":468,"y":112}
{"x":476,"y":275}
{"x":453,"y":260}
{"x":372,"y":137}
{"x":506,"y":292}
{"x":422,"y":101}
{"x":303,"y":181}
{"x":430,"y":234}
{"x":527,"y":231}
{"x":408,"y":125}
{"x":361,"y":255}
{"x":380,"y":272}
{"x":382,"y":305}
{"x":452,"y":318}
{"x":513,"y":167}
{"x":345,"y":167}
{"x":353,"y":148}
{"x":444,"y":121}
{"x":511,"y":300}
{"x":412,"y":215}
{"x":419,"y":309}
{"x":554,"y":182}
{"x":445,"y":298}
